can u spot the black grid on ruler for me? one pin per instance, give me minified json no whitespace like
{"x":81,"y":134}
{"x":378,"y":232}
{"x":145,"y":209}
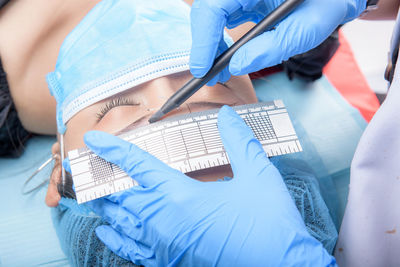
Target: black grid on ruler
{"x":261,"y":126}
{"x":101,"y":170}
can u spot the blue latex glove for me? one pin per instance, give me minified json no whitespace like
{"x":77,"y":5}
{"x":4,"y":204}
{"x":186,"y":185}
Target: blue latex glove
{"x":305,"y":28}
{"x":172,"y":219}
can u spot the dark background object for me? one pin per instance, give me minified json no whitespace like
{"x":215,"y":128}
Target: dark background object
{"x":13,"y":136}
{"x":66,"y":190}
{"x":3,"y":3}
{"x":308,"y":66}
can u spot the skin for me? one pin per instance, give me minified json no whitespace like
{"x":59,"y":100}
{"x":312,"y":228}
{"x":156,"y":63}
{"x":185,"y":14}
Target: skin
{"x":148,"y":98}
{"x":32,"y":33}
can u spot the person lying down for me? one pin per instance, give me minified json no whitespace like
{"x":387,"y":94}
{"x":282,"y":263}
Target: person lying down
{"x":114,"y":70}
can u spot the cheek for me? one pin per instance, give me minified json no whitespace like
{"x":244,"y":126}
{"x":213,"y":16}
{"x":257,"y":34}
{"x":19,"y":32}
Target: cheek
{"x":73,"y":141}
{"x":77,"y":126}
{"x":73,"y":137}
{"x":115,"y":120}
{"x":118,"y":118}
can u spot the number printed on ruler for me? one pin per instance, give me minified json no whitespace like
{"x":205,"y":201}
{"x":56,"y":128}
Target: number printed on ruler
{"x":188,"y":143}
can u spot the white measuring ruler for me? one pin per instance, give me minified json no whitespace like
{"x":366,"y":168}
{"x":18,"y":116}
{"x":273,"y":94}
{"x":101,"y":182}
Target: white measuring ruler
{"x":188,"y":143}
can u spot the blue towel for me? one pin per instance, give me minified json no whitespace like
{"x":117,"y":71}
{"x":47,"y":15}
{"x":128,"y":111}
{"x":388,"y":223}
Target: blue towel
{"x":27,"y":236}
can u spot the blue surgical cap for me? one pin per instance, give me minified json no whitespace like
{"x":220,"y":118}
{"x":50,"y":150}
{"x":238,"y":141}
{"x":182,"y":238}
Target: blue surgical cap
{"x":118,"y":45}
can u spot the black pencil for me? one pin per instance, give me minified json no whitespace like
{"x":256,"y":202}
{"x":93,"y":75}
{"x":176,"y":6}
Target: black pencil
{"x":222,"y":60}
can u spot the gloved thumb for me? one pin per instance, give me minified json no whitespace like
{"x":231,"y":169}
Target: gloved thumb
{"x":245,"y":152}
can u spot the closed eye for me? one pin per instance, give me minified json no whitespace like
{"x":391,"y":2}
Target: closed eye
{"x":115,"y":102}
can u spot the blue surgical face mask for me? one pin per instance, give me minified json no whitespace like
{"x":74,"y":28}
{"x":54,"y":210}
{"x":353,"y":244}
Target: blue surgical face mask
{"x":118,"y":45}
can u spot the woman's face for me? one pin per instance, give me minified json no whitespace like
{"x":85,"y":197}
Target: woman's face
{"x":133,"y":108}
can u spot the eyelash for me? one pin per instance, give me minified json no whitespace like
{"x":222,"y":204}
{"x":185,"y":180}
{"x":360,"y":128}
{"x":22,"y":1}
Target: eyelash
{"x":115,"y":102}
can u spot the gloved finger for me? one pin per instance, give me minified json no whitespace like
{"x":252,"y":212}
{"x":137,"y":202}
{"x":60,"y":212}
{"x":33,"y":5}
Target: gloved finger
{"x":289,"y":38}
{"x":146,"y":169}
{"x":224,"y":75}
{"x":245,"y":14}
{"x":124,"y":218}
{"x":214,"y":80}
{"x":245,"y":152}
{"x":126,"y":247}
{"x":208,"y":20}
{"x":66,"y":164}
{"x":115,"y":215}
{"x":221,"y":77}
{"x":140,"y":202}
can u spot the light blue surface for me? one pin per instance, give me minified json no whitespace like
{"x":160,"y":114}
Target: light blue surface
{"x":27,"y":236}
{"x":319,"y":114}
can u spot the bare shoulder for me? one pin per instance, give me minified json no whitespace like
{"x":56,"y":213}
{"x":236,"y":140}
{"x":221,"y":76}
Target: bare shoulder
{"x":32,"y":33}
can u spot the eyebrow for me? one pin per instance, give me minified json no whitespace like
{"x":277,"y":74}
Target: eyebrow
{"x":147,"y":116}
{"x":209,"y":104}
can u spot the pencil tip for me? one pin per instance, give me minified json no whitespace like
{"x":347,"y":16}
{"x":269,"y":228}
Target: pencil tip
{"x":156,"y":117}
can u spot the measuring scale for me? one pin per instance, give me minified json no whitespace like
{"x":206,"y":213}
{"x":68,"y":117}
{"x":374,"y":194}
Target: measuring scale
{"x":187,"y":143}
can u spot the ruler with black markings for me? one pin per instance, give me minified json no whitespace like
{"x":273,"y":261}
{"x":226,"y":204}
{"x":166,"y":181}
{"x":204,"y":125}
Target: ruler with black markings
{"x":188,"y":143}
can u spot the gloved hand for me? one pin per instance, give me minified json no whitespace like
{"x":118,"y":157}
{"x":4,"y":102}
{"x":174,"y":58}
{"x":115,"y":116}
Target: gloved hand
{"x":303,"y":29}
{"x":172,"y":219}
